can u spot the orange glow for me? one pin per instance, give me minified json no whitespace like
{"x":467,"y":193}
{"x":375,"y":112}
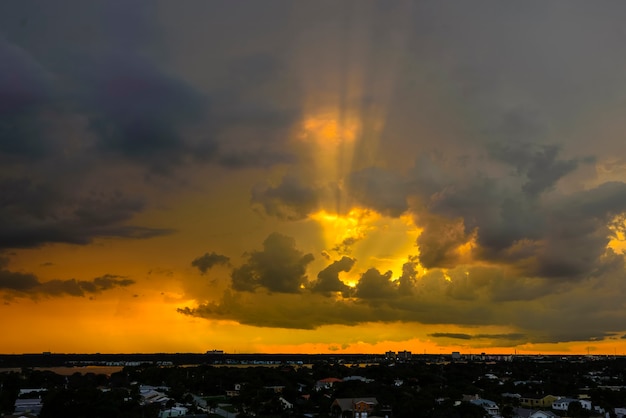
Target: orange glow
{"x":465,"y":250}
{"x":369,"y":237}
{"x":618,"y":230}
{"x":329,"y":128}
{"x":338,"y":229}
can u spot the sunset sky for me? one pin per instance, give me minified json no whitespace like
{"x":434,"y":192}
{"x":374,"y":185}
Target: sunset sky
{"x":313,"y":176}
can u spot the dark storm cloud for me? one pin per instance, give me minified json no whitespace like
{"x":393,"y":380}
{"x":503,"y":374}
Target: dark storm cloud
{"x":345,"y":246}
{"x":135,"y":110}
{"x":109,"y":281}
{"x":252,"y":114}
{"x":75,"y":287}
{"x":379,"y":189}
{"x":539,"y":310}
{"x":328,"y":279}
{"x":408,"y":279}
{"x":376,"y":285}
{"x":517,"y":218}
{"x":439,"y":241}
{"x":577,"y":232}
{"x":279,"y":267}
{"x":25,"y":90}
{"x":75,"y":119}
{"x":138,"y":112}
{"x":17,"y":281}
{"x":538,"y":163}
{"x":34,"y":214}
{"x":259,"y":158}
{"x":596,"y":312}
{"x":288,"y":310}
{"x":62,"y":126}
{"x":27,"y":284}
{"x":289,"y":200}
{"x":282,"y":311}
{"x":454,"y":335}
{"x":461,"y":336}
{"x":206,"y":261}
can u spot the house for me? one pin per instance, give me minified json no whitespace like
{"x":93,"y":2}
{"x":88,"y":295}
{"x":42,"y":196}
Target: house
{"x":537,"y":402}
{"x":175,"y":411}
{"x":543,"y":414}
{"x":490,"y":406}
{"x":620,"y":412}
{"x":562,"y":404}
{"x":353,"y":407}
{"x":151,"y":396}
{"x":32,"y":391}
{"x":530,"y":413}
{"x":28,"y":405}
{"x":234,"y":391}
{"x":326,"y":383}
{"x":360,"y":378}
{"x":161,"y":388}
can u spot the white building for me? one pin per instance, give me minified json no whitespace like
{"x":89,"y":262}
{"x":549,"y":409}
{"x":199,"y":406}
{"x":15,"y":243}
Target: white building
{"x":490,"y":406}
{"x":562,"y":404}
{"x":543,"y":414}
{"x":32,"y":406}
{"x":175,"y":411}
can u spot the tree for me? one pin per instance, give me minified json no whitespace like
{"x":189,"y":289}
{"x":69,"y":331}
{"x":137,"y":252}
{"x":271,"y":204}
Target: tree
{"x":507,"y":411}
{"x":574,"y":409}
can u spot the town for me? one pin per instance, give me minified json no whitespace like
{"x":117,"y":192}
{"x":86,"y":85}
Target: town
{"x":397,"y":385}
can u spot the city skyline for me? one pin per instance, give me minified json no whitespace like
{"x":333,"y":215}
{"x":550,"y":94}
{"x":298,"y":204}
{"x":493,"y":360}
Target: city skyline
{"x":327,"y":177}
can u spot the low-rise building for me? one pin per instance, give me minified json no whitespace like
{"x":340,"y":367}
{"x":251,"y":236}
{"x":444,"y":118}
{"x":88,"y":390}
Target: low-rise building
{"x":175,"y":411}
{"x":538,"y":402}
{"x":326,"y":383}
{"x":531,"y":413}
{"x":28,"y":405}
{"x":353,"y":407}
{"x":543,"y":414}
{"x":490,"y":406}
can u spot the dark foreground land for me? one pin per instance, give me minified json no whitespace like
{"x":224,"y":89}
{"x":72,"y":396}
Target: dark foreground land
{"x":161,"y":385}
{"x":63,"y":359}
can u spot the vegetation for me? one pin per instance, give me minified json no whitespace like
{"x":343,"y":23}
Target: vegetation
{"x":412,"y":389}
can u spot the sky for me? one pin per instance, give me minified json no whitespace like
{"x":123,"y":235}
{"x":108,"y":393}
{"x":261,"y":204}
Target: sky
{"x":313,"y":177}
